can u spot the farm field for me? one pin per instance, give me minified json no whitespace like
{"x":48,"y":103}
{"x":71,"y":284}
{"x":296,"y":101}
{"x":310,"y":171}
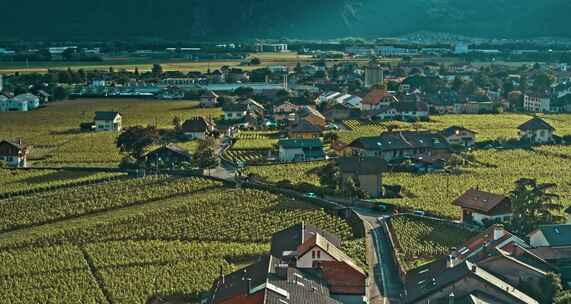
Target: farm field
{"x":14,"y":181}
{"x":130,"y":240}
{"x":54,"y":133}
{"x":420,"y":241}
{"x":488,"y":127}
{"x":289,"y":59}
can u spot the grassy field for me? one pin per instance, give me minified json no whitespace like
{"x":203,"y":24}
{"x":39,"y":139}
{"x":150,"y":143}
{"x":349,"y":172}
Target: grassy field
{"x":128,"y":241}
{"x":53,"y":131}
{"x":488,"y":127}
{"x":420,"y":241}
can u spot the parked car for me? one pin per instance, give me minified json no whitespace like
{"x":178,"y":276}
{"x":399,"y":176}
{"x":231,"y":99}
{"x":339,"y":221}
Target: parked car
{"x":420,"y":213}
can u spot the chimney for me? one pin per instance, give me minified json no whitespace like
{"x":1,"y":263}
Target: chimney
{"x":474,"y":268}
{"x":281,"y":271}
{"x":450,"y":263}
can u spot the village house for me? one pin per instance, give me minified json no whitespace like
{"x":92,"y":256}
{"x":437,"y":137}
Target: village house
{"x":208,"y":99}
{"x":311,"y":115}
{"x":304,"y":130}
{"x":488,"y":268}
{"x":108,"y":121}
{"x":311,"y":249}
{"x":168,"y":156}
{"x":377,"y":98}
{"x":399,"y":145}
{"x":536,"y":104}
{"x":235,"y":111}
{"x":482,"y":208}
{"x":403,"y":111}
{"x":339,"y":112}
{"x":285,"y":112}
{"x":551,"y":236}
{"x":536,"y":131}
{"x":14,"y":153}
{"x":291,"y":150}
{"x":269,"y":281}
{"x":341,"y":148}
{"x":197,"y":128}
{"x":474,"y":107}
{"x":367,"y":172}
{"x":459,"y":136}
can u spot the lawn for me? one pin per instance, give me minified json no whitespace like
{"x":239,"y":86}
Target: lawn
{"x":419,"y":241}
{"x":128,"y":241}
{"x":53,"y":131}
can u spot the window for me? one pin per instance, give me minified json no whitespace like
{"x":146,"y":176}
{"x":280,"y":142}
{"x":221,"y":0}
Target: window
{"x":319,"y":254}
{"x":313,"y":254}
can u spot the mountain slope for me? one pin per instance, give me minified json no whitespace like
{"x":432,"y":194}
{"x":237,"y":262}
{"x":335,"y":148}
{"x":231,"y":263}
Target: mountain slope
{"x":231,"y":19}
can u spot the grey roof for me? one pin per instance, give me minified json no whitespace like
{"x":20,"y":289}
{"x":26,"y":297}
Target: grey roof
{"x":172,"y":148}
{"x":234,"y":107}
{"x":196,"y":124}
{"x":279,"y":282}
{"x":300,"y":143}
{"x":289,"y":239}
{"x":400,"y":140}
{"x":453,"y":129}
{"x":106,"y":115}
{"x":361,"y":165}
{"x":557,"y":235}
{"x":536,"y":123}
{"x":426,"y":280}
{"x":304,"y":126}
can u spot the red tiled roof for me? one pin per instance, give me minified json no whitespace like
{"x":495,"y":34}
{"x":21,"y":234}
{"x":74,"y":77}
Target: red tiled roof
{"x":342,"y":278}
{"x":374,"y":97}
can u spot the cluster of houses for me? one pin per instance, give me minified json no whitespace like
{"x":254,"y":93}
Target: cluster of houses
{"x":21,"y":103}
{"x":495,"y":266}
{"x":305,"y":265}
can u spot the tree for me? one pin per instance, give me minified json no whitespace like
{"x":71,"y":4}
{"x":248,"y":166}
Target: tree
{"x":176,"y":122}
{"x":255,"y":61}
{"x":350,"y":188}
{"x":135,"y":139}
{"x":330,"y":177}
{"x":532,"y":206}
{"x":244,"y":92}
{"x":157,"y":70}
{"x":59,"y":93}
{"x":330,"y":137}
{"x":205,"y":159}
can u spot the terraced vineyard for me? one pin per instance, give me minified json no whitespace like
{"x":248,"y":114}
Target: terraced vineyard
{"x":420,"y":240}
{"x":252,"y":146}
{"x":128,"y":241}
{"x":296,"y":172}
{"x":18,"y":181}
{"x":496,"y":172}
{"x":23,"y":211}
{"x":488,"y":127}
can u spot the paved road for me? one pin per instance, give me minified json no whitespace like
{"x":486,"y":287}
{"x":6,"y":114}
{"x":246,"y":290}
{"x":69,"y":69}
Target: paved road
{"x":386,"y":274}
